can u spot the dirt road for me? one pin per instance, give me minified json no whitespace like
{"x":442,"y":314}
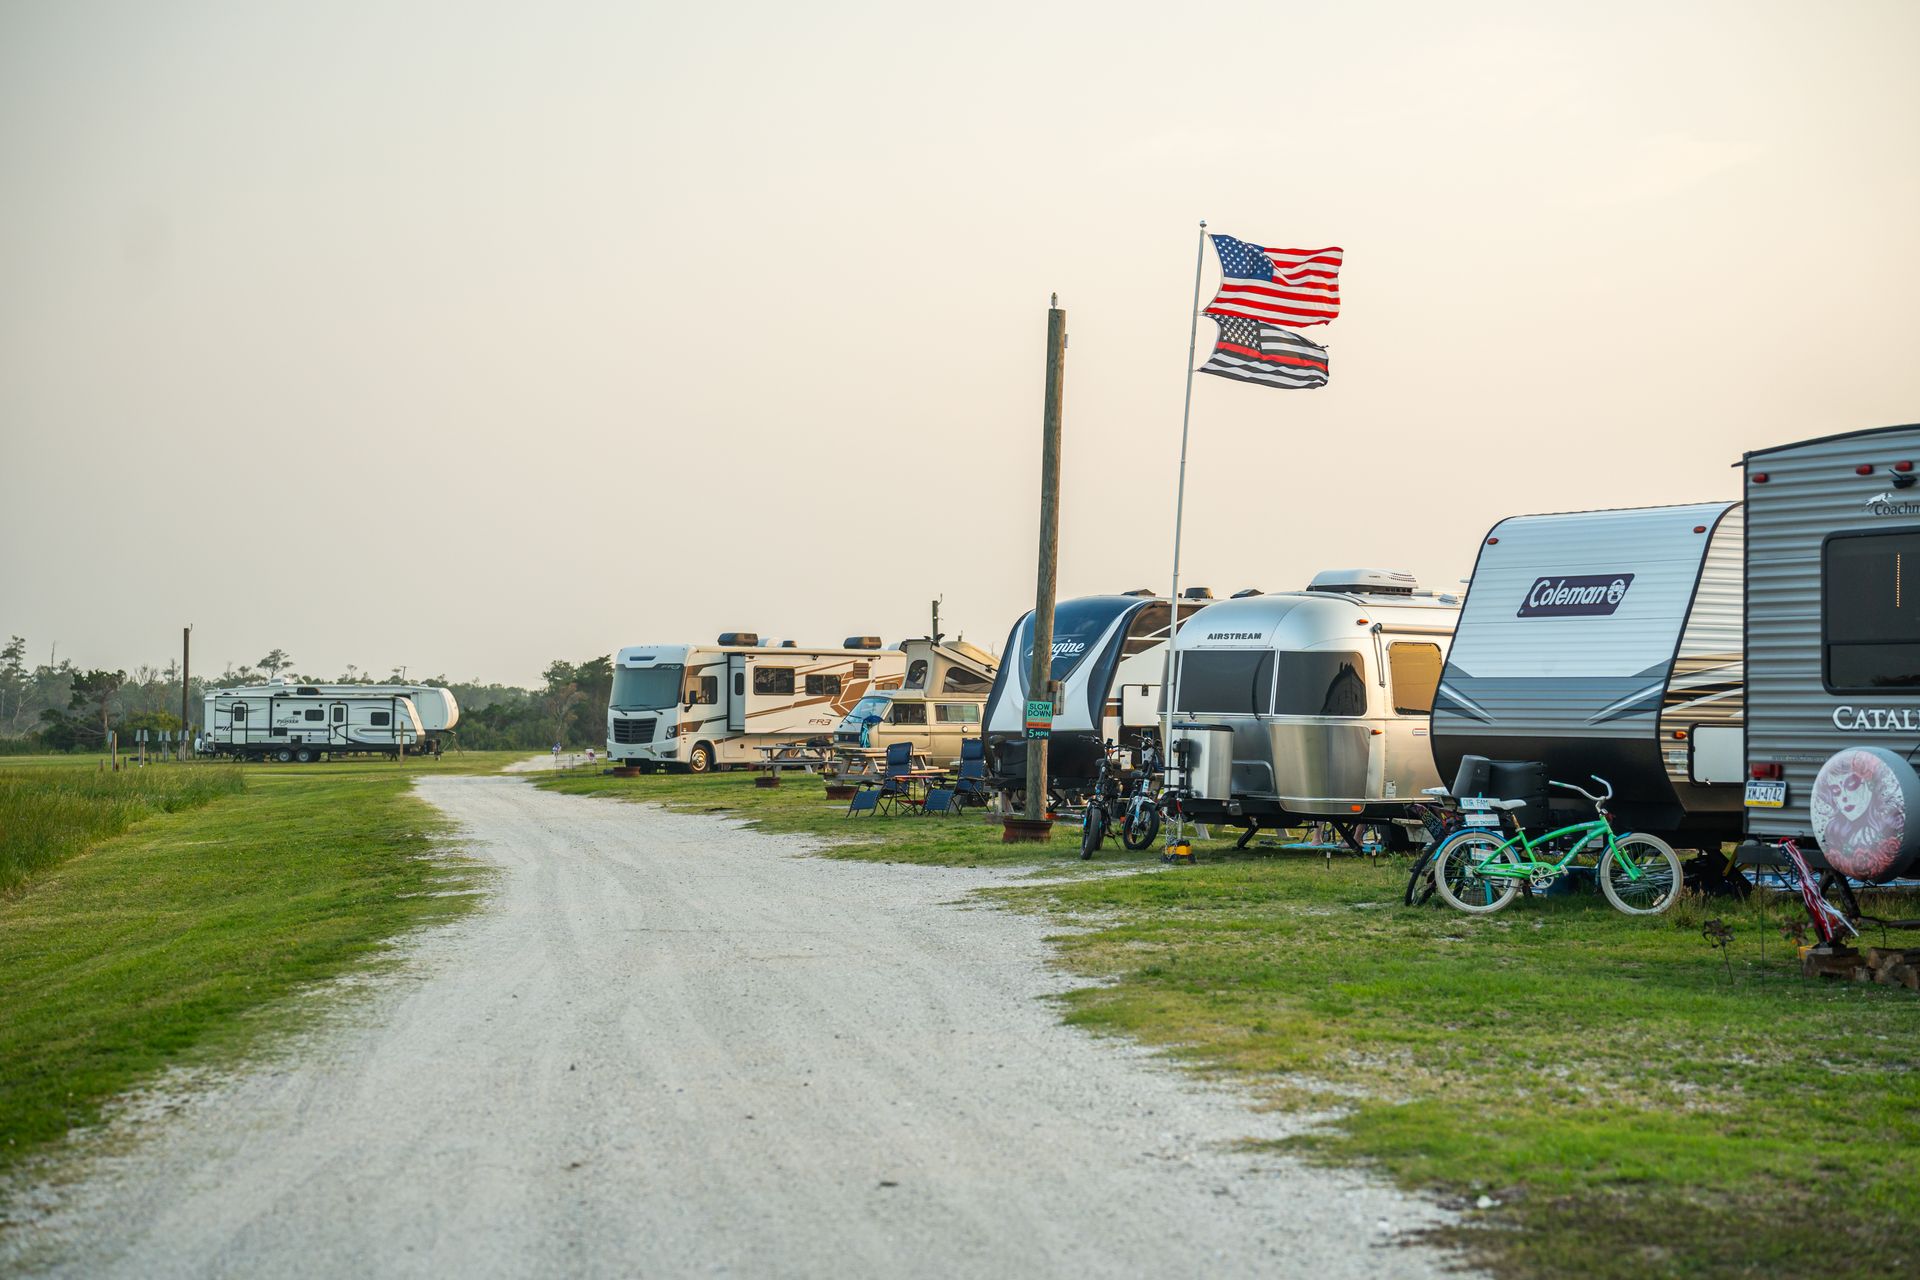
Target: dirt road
{"x":669,"y":1046}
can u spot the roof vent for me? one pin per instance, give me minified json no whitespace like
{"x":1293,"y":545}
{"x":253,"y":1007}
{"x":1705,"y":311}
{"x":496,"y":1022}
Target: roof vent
{"x":748,"y":638}
{"x":1250,"y":591}
{"x":1197,"y":593}
{"x":1365,"y":582}
{"x":787,"y":644}
{"x":307,"y":691}
{"x":1140,"y":591}
{"x":862,"y":642}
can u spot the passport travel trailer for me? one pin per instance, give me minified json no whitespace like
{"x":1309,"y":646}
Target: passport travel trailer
{"x":288,"y":722}
{"x":434,"y":704}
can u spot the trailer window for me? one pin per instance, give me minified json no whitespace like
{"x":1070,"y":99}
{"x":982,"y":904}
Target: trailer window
{"x":917,"y":674}
{"x":773,"y":680}
{"x":1227,"y":681}
{"x":314,"y":713}
{"x":380,"y":719}
{"x":238,"y":711}
{"x":339,"y":713}
{"x":1320,"y":684}
{"x":961,"y":680}
{"x":1870,"y":611}
{"x":909,"y":713}
{"x":703,"y":691}
{"x":823,"y":686}
{"x":957,"y":713}
{"x":1416,"y":674}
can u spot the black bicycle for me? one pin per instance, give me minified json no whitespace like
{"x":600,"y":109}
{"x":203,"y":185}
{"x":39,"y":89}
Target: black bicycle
{"x":1142,"y":821}
{"x":1095,"y":823}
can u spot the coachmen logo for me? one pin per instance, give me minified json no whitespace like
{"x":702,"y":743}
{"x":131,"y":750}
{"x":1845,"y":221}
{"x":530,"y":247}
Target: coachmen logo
{"x":1886,"y":504}
{"x":1588,"y":596}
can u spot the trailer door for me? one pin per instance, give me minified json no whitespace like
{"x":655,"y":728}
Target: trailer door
{"x":337,"y":723}
{"x":736,"y":693}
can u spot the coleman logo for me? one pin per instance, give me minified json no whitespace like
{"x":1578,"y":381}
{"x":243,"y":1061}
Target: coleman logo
{"x":1233,"y":635}
{"x":1886,"y":504}
{"x":1589,"y":596}
{"x":1876,"y":719}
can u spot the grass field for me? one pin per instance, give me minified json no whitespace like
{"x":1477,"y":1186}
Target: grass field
{"x":48,"y":813}
{"x":179,"y":939}
{"x":1617,"y":1102}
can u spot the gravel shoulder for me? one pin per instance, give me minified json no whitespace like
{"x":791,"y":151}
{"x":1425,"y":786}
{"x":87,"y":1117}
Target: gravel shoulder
{"x":670,"y":1045}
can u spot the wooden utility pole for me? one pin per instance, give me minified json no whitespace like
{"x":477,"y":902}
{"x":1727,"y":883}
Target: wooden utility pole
{"x":1040,"y":676}
{"x":186,"y":683}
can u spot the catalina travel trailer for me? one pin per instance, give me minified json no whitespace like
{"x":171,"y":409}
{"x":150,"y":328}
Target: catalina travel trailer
{"x":1833,"y":649}
{"x":701,"y":707}
{"x":1311,"y":705}
{"x":1608,"y":642}
{"x":434,"y":704}
{"x":300,"y":723}
{"x":1109,"y":656}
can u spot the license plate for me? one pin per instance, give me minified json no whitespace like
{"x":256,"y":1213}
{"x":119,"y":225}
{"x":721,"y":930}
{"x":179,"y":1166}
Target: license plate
{"x":1766,"y":795}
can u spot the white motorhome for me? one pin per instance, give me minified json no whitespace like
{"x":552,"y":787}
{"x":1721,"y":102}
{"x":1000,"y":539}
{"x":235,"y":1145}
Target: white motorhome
{"x":1608,"y":642}
{"x":702,"y":707}
{"x":1833,"y":649}
{"x":1311,"y":705}
{"x":439,"y":712}
{"x":294,"y":724}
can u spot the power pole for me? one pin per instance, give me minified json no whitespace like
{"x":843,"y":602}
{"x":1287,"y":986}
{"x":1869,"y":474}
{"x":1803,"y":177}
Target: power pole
{"x":1040,"y":675}
{"x":186,"y":679}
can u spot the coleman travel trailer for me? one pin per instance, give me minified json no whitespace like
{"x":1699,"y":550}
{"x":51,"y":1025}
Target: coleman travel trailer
{"x":1311,"y":705}
{"x":439,"y":712}
{"x":298,"y":722}
{"x":1109,"y":656}
{"x":936,"y":708}
{"x":1608,"y":642}
{"x":700,"y":707}
{"x":1833,"y":650}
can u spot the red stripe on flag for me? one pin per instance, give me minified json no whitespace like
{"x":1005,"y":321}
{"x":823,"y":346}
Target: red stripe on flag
{"x":1269,"y":357}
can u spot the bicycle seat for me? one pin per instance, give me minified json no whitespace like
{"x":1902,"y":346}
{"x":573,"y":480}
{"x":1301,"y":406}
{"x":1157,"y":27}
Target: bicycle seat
{"x":1441,"y":792}
{"x":1508,"y":805}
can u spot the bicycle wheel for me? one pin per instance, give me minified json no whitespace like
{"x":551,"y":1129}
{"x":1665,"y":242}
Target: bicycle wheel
{"x":1420,"y":879}
{"x":1093,"y":829}
{"x":1457,"y":874}
{"x":1641,"y":875}
{"x":1143,"y":824}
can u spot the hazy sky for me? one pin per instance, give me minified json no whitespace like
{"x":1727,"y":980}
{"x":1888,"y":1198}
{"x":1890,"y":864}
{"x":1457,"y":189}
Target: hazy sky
{"x":470,"y":335}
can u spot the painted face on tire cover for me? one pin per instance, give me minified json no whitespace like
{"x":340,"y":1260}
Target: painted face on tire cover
{"x":1859,"y":814}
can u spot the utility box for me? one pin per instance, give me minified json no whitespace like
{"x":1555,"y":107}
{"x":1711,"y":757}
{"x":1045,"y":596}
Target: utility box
{"x":1204,"y":754}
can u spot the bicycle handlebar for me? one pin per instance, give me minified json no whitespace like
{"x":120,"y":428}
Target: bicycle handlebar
{"x":1597,"y":800}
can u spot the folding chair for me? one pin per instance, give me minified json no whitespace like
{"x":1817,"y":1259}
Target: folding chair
{"x":893,"y":787}
{"x":865,"y":800}
{"x":939,"y":800}
{"x":972,"y":786}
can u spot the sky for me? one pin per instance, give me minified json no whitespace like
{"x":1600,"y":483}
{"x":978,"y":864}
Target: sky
{"x":467,"y":336}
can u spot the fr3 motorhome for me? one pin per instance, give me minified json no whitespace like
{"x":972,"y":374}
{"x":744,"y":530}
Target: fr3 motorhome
{"x":1833,"y":649}
{"x":1608,"y":642}
{"x":296,"y":724}
{"x":1311,"y":705}
{"x":702,"y":707}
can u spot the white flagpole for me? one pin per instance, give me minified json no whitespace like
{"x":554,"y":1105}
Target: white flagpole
{"x":1170,"y":682}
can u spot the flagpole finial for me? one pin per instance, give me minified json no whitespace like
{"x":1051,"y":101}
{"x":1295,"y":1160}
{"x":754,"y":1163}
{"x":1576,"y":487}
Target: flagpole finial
{"x":1203,"y":224}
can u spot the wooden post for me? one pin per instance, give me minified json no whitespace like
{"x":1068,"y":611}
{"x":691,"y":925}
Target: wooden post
{"x":186,"y":682}
{"x":1039,"y":677}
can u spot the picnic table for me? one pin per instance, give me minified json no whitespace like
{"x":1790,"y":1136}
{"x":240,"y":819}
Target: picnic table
{"x":777,"y":757}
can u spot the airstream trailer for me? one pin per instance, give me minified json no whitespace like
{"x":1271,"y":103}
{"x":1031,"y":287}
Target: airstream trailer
{"x":1833,"y":649}
{"x":1305,"y":705}
{"x":1109,"y":656}
{"x":1608,"y":642}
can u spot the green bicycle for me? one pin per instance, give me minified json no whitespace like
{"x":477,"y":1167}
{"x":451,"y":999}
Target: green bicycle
{"x":1479,"y":872}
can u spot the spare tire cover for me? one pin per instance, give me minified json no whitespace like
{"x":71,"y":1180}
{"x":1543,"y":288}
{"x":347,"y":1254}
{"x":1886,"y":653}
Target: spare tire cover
{"x":1866,"y":813}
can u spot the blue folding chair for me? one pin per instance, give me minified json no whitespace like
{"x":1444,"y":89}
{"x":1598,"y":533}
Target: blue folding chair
{"x":939,"y":800}
{"x":865,"y":800}
{"x":893,"y":786}
{"x":972,"y":786}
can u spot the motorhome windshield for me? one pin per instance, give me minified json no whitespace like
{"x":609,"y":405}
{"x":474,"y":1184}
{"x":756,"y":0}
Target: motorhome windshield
{"x":646,"y":688}
{"x":871,"y":705}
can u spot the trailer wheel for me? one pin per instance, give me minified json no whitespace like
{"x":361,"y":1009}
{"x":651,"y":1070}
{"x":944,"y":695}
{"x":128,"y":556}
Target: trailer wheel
{"x":284,"y":755}
{"x":306,"y":755}
{"x":700,"y":759}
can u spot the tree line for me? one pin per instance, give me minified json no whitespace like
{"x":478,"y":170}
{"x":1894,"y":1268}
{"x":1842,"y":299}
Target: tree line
{"x":57,"y":706}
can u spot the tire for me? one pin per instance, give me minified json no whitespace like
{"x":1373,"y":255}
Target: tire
{"x":700,"y":759}
{"x":284,"y":755}
{"x":1460,"y":887}
{"x":306,"y":755}
{"x":1143,"y":824}
{"x":1420,"y":882}
{"x":1093,"y":829}
{"x":1659,"y":880}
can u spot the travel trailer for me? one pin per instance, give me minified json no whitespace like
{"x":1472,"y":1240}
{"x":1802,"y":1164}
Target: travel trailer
{"x":936,"y":708}
{"x":1109,"y":656}
{"x":1833,"y":649}
{"x":300,"y":723}
{"x":1609,"y":643}
{"x":439,"y":712}
{"x":1311,"y":705}
{"x":702,"y":707}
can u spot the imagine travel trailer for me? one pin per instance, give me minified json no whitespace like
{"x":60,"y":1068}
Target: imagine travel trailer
{"x":1608,"y":642}
{"x":1109,"y":656}
{"x":293,"y":724}
{"x":1833,"y":649}
{"x":702,"y":707}
{"x":1313,"y":704}
{"x":434,"y":704}
{"x":936,"y":708}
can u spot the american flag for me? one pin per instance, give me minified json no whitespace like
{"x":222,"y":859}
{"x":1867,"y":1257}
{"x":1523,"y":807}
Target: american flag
{"x":1249,"y":351}
{"x":1281,"y":286}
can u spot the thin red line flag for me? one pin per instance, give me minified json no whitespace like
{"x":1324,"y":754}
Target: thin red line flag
{"x":1293,"y":287}
{"x":1249,"y":351}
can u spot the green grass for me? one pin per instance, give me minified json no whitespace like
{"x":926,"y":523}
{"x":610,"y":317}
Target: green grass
{"x":1630,"y":1109}
{"x":181,"y":939}
{"x":47,"y":814}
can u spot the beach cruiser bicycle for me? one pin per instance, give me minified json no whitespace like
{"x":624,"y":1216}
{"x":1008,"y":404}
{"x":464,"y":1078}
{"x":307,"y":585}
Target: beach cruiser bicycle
{"x":1479,"y":871}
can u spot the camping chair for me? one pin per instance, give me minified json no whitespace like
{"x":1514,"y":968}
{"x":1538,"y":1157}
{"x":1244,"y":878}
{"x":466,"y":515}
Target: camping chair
{"x":865,"y":800}
{"x":939,"y":800}
{"x":972,"y":786}
{"x":893,"y":787}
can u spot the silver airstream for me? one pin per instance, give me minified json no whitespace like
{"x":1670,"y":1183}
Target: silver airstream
{"x":1312,"y":705}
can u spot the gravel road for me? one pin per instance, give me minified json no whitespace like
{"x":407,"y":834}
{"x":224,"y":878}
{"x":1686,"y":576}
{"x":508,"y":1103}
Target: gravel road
{"x":670,"y":1046}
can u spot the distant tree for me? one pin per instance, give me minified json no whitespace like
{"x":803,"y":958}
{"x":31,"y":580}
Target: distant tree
{"x":58,"y":730}
{"x":275,"y":662}
{"x":95,"y":689}
{"x":13,"y":680}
